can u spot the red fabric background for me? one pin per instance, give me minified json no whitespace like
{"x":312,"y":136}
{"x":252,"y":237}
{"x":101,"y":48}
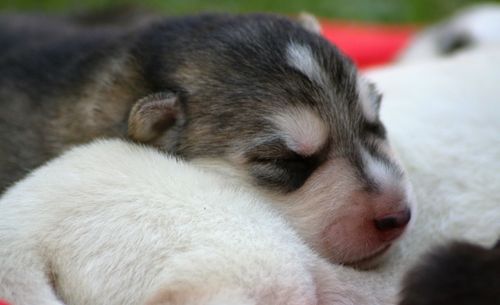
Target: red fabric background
{"x":368,"y":45}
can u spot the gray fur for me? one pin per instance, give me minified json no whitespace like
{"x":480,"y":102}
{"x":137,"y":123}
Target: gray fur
{"x":207,"y":88}
{"x":228,"y":71}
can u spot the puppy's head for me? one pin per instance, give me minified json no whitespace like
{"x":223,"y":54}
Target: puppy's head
{"x":279,"y":106}
{"x":473,"y":27}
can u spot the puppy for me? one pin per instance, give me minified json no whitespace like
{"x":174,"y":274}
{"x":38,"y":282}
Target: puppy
{"x":456,"y":274}
{"x":115,"y":223}
{"x":259,"y":97}
{"x":474,"y":27}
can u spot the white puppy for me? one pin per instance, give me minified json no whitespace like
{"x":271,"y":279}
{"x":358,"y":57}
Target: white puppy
{"x":116,"y":223}
{"x":477,"y":26}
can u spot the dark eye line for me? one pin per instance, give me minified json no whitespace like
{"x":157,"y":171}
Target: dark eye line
{"x":289,"y":157}
{"x":275,"y":165}
{"x":375,"y":128}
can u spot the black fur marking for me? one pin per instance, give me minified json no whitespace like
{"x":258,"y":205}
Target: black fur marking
{"x":455,"y":42}
{"x":457,"y":274}
{"x":377,"y":129}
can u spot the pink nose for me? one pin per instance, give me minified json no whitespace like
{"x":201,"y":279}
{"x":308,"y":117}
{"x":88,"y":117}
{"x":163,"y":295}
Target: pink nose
{"x":392,"y":225}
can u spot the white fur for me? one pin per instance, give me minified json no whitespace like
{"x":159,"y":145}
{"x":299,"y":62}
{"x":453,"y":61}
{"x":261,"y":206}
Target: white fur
{"x":480,"y":23}
{"x":368,"y":102}
{"x":444,"y":120}
{"x":303,"y":131}
{"x":310,"y":22}
{"x":302,"y":58}
{"x":332,"y":212}
{"x":381,"y":173}
{"x":378,"y":171}
{"x":115,"y":223}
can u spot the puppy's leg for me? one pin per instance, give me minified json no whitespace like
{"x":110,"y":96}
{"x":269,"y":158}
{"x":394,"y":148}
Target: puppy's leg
{"x":23,"y":278}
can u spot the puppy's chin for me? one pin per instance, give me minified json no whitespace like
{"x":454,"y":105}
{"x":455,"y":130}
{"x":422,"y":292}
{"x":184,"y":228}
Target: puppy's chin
{"x":375,"y":260}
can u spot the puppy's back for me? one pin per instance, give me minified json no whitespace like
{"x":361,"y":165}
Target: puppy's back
{"x":119,"y":224}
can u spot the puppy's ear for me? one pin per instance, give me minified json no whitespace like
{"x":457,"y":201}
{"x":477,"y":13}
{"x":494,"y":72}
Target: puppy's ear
{"x":309,"y":22}
{"x":153,"y":115}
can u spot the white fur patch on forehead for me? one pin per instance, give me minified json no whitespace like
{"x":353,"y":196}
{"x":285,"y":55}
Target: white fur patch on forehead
{"x":303,"y":130}
{"x":382,"y":174}
{"x":369,"y":99}
{"x":301,"y":57}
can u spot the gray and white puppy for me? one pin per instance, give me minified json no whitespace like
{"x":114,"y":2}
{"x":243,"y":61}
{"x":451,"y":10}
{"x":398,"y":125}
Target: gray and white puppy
{"x":258,"y":96}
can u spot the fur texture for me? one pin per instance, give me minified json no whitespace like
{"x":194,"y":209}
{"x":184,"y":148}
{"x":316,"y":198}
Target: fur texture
{"x":456,"y":274}
{"x":473,"y":27}
{"x":443,"y":119}
{"x":260,"y":97}
{"x":115,"y":223}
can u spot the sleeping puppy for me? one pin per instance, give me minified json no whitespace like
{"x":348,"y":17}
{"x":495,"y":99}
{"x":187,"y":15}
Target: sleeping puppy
{"x":476,"y":26}
{"x":258,"y":97}
{"x":456,"y":274}
{"x":115,"y":223}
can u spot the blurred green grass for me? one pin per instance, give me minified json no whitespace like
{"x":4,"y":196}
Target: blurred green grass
{"x":384,"y":11}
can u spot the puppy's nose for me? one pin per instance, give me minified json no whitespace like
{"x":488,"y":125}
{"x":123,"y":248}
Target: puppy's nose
{"x":394,"y":221}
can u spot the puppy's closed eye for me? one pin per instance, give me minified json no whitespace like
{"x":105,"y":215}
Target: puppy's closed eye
{"x":274,"y":164}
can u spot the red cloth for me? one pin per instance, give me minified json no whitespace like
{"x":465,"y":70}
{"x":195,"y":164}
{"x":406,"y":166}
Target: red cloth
{"x":368,"y":45}
{"x":2,"y":302}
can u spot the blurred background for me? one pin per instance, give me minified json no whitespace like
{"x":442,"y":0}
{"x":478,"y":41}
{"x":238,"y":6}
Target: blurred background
{"x":378,"y":11}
